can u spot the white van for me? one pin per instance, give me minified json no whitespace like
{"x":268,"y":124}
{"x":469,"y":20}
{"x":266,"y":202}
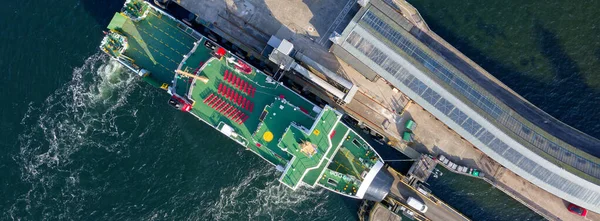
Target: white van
{"x":416,"y":204}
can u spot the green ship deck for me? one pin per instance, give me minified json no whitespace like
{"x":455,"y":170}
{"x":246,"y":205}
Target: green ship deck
{"x":308,"y":143}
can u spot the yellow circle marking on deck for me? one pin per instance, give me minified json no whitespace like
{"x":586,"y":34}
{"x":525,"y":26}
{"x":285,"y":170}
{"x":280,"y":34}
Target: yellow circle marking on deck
{"x":316,"y":132}
{"x":268,"y":136}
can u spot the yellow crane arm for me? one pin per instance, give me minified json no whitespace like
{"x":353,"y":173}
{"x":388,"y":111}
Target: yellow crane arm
{"x":201,"y":78}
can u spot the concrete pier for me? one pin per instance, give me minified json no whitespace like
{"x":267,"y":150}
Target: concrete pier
{"x":378,"y":104}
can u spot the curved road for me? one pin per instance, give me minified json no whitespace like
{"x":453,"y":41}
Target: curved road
{"x":527,"y":110}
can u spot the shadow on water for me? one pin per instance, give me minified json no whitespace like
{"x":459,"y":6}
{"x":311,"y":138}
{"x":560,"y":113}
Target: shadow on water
{"x":490,"y":29}
{"x":563,"y":66}
{"x":102,"y":11}
{"x":565,"y":97}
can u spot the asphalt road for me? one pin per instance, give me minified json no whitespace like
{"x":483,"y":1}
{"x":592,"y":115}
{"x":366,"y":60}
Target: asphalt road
{"x":435,"y":212}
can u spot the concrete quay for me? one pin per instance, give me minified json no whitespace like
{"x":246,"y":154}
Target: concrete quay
{"x":437,"y":210}
{"x":307,"y":25}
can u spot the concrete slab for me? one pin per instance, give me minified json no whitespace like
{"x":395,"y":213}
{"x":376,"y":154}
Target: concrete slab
{"x":557,"y":206}
{"x":381,"y":213}
{"x":306,"y":23}
{"x":435,"y":137}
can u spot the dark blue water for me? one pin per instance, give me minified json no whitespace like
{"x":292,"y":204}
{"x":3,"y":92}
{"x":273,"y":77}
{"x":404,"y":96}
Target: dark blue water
{"x":477,"y":199}
{"x":83,"y":139}
{"x":548,"y":51}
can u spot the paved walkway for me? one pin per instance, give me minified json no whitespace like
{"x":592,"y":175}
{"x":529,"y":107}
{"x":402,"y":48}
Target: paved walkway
{"x":434,"y":137}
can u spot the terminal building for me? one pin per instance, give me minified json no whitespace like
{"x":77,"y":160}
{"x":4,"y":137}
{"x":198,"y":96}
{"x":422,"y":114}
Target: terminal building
{"x":380,"y":43}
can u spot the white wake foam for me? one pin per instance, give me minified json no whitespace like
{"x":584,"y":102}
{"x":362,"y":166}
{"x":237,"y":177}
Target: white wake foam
{"x":67,"y":121}
{"x":271,"y":200}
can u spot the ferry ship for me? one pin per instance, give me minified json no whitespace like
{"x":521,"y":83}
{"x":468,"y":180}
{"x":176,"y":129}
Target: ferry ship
{"x":307,"y":143}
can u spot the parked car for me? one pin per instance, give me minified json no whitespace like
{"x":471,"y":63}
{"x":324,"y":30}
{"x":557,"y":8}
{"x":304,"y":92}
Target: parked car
{"x":575,"y":209}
